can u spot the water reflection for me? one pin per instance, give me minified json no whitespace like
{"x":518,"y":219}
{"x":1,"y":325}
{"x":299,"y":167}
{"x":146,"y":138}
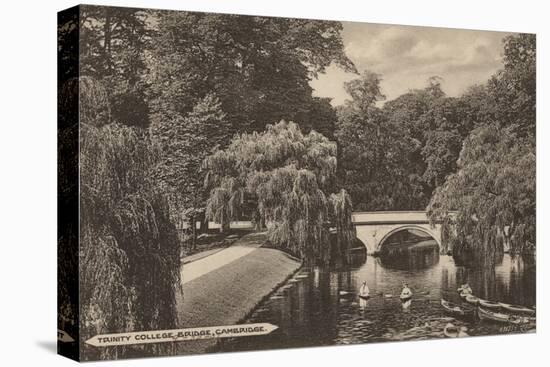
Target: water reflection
{"x":412,"y":257}
{"x":510,"y":281}
{"x":319,"y":306}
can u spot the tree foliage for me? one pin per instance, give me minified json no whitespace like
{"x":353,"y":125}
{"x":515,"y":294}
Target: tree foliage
{"x":493,"y":190}
{"x":513,"y":89}
{"x":113,"y":45}
{"x":394,"y":156}
{"x":129,"y":253}
{"x":493,"y":194}
{"x":259,"y":67}
{"x":375,"y":151}
{"x":289,"y":177}
{"x":185,"y":142}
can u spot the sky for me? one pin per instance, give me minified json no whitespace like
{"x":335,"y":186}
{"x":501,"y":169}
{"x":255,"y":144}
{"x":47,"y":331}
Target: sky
{"x":407,"y":56}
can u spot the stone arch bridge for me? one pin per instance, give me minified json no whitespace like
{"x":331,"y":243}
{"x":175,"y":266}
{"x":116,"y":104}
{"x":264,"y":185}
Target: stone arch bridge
{"x":373,"y":228}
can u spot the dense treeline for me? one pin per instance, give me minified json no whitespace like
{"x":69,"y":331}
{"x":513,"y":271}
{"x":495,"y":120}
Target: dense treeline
{"x":394,"y":156}
{"x":493,"y":189}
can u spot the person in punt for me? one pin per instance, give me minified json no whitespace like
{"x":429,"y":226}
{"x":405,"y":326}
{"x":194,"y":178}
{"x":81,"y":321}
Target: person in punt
{"x":364,"y":294}
{"x":406,"y":292}
{"x":466,"y":289}
{"x":406,"y":296}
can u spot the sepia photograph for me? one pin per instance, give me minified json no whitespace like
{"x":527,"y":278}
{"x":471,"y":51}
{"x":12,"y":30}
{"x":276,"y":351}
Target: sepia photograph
{"x":237,"y":183}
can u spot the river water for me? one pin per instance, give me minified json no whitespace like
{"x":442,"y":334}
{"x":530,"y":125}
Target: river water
{"x":319,"y":306}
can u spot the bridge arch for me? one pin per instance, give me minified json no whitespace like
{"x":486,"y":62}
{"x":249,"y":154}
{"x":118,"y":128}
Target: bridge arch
{"x":432,"y":232}
{"x":374,"y":228}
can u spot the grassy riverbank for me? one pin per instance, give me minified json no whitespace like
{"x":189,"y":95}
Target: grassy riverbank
{"x":228,"y":294}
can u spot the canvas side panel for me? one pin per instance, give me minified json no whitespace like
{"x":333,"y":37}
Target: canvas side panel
{"x":67,"y":183}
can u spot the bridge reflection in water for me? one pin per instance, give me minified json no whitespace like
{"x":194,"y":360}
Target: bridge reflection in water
{"x":409,"y":249}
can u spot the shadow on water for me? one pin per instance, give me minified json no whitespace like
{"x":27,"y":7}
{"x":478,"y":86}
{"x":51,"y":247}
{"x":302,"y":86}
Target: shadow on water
{"x":511,"y":280}
{"x":412,"y":258}
{"x":356,"y":258}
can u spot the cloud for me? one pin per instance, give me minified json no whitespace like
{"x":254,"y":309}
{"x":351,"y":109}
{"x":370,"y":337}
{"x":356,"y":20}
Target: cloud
{"x":389,"y":43}
{"x":407,"y":56}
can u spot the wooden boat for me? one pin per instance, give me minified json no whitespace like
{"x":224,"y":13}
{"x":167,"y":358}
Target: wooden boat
{"x":455,"y":309}
{"x":520,"y":320}
{"x":364,"y":296}
{"x":489,"y":304}
{"x":452,"y":331}
{"x":488,"y":315}
{"x":492,"y":316}
{"x":471,"y":299}
{"x":517,"y":309}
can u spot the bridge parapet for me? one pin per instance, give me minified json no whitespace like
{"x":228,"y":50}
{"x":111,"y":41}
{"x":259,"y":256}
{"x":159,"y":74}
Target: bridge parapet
{"x":389,"y":217}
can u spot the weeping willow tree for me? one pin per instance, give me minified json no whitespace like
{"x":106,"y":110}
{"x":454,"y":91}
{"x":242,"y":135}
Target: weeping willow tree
{"x":493,"y":194}
{"x":342,"y":209}
{"x":285,"y":178}
{"x":129,"y":252}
